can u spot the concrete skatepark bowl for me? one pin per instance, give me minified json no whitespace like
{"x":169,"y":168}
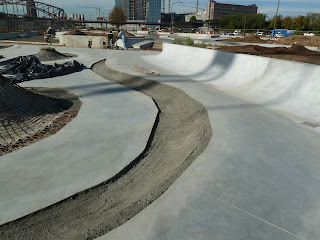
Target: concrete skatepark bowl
{"x":256,"y":178}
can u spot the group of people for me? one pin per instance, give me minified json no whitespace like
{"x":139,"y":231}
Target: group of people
{"x":121,"y":35}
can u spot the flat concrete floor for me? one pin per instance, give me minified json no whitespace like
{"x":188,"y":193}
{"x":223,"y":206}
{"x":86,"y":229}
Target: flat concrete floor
{"x":258,"y":178}
{"x":111,"y":129}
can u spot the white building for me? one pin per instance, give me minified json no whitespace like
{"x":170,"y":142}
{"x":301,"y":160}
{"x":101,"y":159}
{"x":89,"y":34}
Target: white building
{"x":201,"y":16}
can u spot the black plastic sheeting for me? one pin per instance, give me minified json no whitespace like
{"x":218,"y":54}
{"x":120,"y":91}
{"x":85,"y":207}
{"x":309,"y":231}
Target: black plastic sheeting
{"x":26,"y":68}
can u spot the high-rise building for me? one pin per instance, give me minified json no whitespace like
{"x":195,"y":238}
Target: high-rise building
{"x":141,"y":10}
{"x":218,"y":10}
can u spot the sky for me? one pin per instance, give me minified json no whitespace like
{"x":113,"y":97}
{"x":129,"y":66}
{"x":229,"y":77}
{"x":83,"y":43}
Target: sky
{"x":269,"y":7}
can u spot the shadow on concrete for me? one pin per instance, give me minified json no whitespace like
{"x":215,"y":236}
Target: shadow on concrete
{"x":222,"y":62}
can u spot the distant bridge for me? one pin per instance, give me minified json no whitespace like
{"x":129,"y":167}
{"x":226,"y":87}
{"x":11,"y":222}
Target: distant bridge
{"x":31,"y":8}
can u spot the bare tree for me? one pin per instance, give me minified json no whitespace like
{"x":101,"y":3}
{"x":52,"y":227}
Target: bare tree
{"x":117,"y":16}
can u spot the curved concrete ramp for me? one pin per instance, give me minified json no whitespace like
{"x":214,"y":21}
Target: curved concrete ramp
{"x":282,"y":85}
{"x":26,"y":117}
{"x":181,"y":132}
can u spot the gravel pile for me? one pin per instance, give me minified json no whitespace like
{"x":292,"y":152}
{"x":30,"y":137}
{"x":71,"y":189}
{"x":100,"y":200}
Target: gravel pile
{"x":248,"y":39}
{"x":50,"y":54}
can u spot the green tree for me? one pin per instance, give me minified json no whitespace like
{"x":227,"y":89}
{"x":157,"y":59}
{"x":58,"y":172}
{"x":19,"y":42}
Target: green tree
{"x":278,"y":22}
{"x":286,"y":23}
{"x":239,"y":21}
{"x":313,"y":21}
{"x":256,"y":21}
{"x":117,"y":16}
{"x":298,"y":23}
{"x":213,"y":22}
{"x":193,"y":20}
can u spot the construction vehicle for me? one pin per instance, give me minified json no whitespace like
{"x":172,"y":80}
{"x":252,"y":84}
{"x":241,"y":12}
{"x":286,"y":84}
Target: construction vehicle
{"x":49,"y":35}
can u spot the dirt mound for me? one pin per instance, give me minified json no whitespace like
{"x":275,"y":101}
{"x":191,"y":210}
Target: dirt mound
{"x":252,"y":49}
{"x":85,"y":33}
{"x":95,"y":33}
{"x":300,"y":40}
{"x":299,"y":50}
{"x":255,"y":49}
{"x":50,"y":54}
{"x":249,"y":39}
{"x":296,"y":53}
{"x":75,"y":32}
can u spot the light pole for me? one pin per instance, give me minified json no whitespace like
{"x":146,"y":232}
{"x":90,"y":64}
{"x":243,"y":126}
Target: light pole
{"x":245,"y":22}
{"x":171,"y":15}
{"x":275,"y":20}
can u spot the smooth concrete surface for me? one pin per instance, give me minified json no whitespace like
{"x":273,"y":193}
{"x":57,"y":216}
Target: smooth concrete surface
{"x":8,"y":36}
{"x":131,"y":41}
{"x":142,"y":32}
{"x":81,"y":41}
{"x":258,"y":178}
{"x":111,"y":129}
{"x":287,"y":86}
{"x":193,"y":35}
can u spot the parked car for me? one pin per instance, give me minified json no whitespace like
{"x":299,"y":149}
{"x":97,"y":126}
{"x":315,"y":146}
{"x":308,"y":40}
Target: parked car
{"x":308,"y":34}
{"x":279,"y":35}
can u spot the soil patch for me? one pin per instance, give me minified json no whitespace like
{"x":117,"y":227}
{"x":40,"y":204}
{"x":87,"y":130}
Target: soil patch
{"x":181,"y":132}
{"x":75,"y":32}
{"x":51,"y":54}
{"x":296,"y":53}
{"x":248,"y":39}
{"x":299,"y":40}
{"x":89,"y":33}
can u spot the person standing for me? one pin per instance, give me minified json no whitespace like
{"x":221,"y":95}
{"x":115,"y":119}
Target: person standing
{"x":90,"y":43}
{"x":124,"y":39}
{"x":110,"y":39}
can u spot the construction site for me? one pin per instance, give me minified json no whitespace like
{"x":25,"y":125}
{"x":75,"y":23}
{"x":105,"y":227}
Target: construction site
{"x":214,"y":138}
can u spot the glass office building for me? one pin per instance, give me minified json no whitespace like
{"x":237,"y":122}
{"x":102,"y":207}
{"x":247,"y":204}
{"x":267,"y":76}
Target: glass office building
{"x":125,"y":5}
{"x":154,"y":13}
{"x":141,"y":10}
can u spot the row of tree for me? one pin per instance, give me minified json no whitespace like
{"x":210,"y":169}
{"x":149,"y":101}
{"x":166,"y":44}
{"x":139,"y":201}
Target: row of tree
{"x":310,"y":22}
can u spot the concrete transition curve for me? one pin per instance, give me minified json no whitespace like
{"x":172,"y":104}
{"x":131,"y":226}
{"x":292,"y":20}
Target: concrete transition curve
{"x":26,"y":116}
{"x":181,"y":132}
{"x":289,"y":87}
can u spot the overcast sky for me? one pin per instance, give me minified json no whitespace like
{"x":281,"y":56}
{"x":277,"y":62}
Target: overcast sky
{"x":287,"y":7}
